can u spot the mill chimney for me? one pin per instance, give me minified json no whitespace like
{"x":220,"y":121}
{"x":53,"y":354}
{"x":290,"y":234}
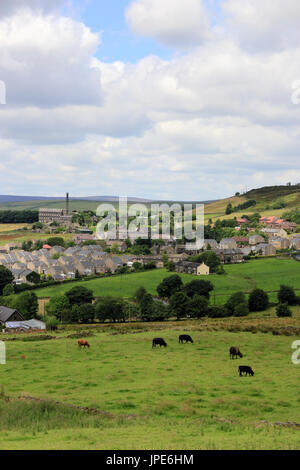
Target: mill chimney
{"x":67,"y":204}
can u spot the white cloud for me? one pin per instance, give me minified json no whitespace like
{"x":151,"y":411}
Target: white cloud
{"x":173,"y":22}
{"x":197,"y":126}
{"x":47,"y":60}
{"x":8,"y":7}
{"x":264,"y":25}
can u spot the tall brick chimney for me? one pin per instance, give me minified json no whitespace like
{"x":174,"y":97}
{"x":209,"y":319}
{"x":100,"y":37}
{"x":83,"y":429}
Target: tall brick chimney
{"x":67,"y":204}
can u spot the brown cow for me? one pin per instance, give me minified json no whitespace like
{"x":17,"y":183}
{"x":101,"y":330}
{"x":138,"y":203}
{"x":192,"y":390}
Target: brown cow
{"x":83,"y":342}
{"x":235,"y":352}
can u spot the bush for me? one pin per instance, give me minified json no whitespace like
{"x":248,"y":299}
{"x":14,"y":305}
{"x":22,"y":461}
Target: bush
{"x":241,"y":310}
{"x":51,"y":323}
{"x":234,"y":300}
{"x":287,"y":295}
{"x":283,"y":310}
{"x":258,"y":300}
{"x":217,"y":311}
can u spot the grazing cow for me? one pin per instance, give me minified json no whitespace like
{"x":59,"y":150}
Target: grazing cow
{"x":159,"y":341}
{"x":245,"y":369}
{"x":235,"y":352}
{"x":185,"y":338}
{"x":83,"y":342}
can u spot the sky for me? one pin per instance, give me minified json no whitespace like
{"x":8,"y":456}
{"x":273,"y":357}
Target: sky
{"x":160,"y":99}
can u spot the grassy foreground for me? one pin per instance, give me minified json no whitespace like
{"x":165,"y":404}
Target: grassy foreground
{"x":182,"y":397}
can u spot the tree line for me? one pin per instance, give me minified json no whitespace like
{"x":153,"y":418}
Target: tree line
{"x":18,"y":217}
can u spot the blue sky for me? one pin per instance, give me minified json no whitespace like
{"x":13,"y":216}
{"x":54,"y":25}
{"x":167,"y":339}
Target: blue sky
{"x":118,"y":42}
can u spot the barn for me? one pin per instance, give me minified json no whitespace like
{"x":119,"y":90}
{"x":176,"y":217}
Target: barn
{"x":9,"y":314}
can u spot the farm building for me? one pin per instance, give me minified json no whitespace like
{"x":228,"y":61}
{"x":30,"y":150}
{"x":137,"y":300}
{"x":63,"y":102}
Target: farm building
{"x":189,"y":267}
{"x":25,"y":325}
{"x":9,"y":314}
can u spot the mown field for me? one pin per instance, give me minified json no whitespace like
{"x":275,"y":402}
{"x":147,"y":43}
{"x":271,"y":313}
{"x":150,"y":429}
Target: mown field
{"x":179,"y":397}
{"x":17,"y":235}
{"x":267,"y":274}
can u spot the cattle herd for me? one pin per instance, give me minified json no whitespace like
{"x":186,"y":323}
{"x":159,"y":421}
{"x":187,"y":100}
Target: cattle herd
{"x":234,"y":351}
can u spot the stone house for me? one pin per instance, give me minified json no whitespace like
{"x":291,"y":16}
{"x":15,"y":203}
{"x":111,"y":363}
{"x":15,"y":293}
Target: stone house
{"x":188,"y":267}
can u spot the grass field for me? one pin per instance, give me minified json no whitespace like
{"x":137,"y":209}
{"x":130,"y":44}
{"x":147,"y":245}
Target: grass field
{"x":267,"y":274}
{"x":20,"y":236}
{"x":182,"y":397}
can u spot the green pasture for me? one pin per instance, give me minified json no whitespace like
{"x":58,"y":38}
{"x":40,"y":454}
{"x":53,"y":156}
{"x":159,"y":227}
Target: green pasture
{"x":267,"y":274}
{"x":180,"y":397}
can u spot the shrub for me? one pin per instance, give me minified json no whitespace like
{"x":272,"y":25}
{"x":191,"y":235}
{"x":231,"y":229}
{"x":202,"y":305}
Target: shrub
{"x":217,"y":311}
{"x":258,"y":300}
{"x":235,"y":299}
{"x":51,"y":323}
{"x":241,"y":310}
{"x":283,"y":310}
{"x":287,"y":295}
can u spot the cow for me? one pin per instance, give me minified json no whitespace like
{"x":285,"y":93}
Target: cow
{"x":235,"y":352}
{"x":245,"y":369}
{"x":185,"y":338}
{"x":159,"y":341}
{"x":83,"y":342}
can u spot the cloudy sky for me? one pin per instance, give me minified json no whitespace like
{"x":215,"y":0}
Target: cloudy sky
{"x":164,"y":99}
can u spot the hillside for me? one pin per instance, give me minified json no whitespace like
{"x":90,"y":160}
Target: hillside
{"x":265,"y":198}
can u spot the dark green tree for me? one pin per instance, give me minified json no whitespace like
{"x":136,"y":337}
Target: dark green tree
{"x":198,"y":287}
{"x":178,"y":304}
{"x":197,"y":306}
{"x":80,"y":295}
{"x":258,"y":300}
{"x":287,"y":295}
{"x":6,"y":277}
{"x":87,"y":313}
{"x":235,"y":299}
{"x":169,"y":286}
{"x":283,"y":310}
{"x":27,"y":304}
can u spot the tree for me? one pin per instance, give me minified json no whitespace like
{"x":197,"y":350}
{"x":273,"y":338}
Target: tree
{"x":258,"y":300}
{"x":80,"y":295}
{"x":198,"y":287}
{"x":139,"y":294}
{"x":287,"y":295}
{"x":229,"y":209}
{"x":241,"y":310}
{"x":6,"y":277}
{"x":27,"y":304}
{"x":283,"y":310}
{"x":147,"y":307}
{"x":51,"y":323}
{"x":178,"y":304}
{"x":171,"y":266}
{"x":33,"y":278}
{"x":8,"y":290}
{"x":57,"y":305}
{"x":169,"y":286}
{"x":109,"y":308}
{"x":56,"y":241}
{"x":87,"y":313}
{"x":197,"y":306}
{"x":235,"y":299}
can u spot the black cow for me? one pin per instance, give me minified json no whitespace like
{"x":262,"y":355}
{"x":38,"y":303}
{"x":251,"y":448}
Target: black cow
{"x":245,"y":369}
{"x":235,"y":352}
{"x":185,"y":338}
{"x":159,"y":341}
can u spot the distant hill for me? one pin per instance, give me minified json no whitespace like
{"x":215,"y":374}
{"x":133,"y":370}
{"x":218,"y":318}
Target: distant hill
{"x":76,"y":203}
{"x":266,"y":199}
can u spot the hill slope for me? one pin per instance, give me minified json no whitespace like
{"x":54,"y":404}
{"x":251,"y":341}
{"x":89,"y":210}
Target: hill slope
{"x":265,"y":198}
